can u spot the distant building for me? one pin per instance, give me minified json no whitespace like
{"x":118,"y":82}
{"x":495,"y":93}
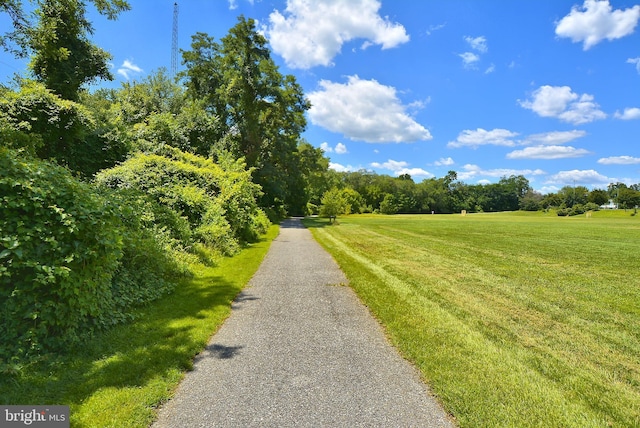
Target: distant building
{"x":610,"y":206}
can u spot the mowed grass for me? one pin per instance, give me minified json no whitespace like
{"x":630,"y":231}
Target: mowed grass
{"x":514,"y":320}
{"x":120,"y":378}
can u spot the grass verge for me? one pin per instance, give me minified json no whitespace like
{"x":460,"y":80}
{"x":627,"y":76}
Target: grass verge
{"x":119,"y":378}
{"x":514,"y":320}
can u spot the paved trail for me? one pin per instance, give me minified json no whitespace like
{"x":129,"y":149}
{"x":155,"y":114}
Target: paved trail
{"x":299,"y":352}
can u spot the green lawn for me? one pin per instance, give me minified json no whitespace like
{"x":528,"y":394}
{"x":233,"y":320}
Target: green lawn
{"x":514,"y":320}
{"x":119,"y":378}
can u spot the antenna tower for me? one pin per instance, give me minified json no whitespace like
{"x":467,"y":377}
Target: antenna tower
{"x":174,"y":43}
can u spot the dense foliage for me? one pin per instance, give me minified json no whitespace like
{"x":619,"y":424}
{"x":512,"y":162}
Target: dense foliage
{"x":371,"y":192}
{"x":260,"y":111}
{"x":59,"y":247}
{"x":193,"y":198}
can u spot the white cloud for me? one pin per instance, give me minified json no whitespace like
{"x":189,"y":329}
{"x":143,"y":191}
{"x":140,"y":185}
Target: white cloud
{"x":490,"y":69}
{"x":128,"y":69}
{"x":631,"y":113}
{"x":477,"y":43}
{"x":341,"y":149}
{"x":364,"y":110}
{"x":414,"y":172}
{"x":433,"y":28}
{"x":554,"y":137}
{"x":326,"y":147}
{"x":595,"y":21}
{"x":341,"y":168}
{"x":312,"y":33}
{"x":469,"y":59}
{"x":635,"y":61}
{"x":564,"y":104}
{"x":391,"y":165}
{"x":481,"y":137}
{"x":233,"y":5}
{"x":444,"y":162}
{"x":471,"y":171}
{"x":619,"y":160}
{"x":401,"y":167}
{"x":590,"y":176}
{"x":547,"y":152}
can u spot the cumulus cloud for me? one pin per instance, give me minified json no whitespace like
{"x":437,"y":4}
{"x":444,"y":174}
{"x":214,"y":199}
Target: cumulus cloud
{"x":128,"y":69}
{"x":341,"y":168}
{"x":469,"y":59}
{"x":619,"y":160}
{"x":470,"y":171}
{"x":632,"y":113}
{"x":547,"y":152}
{"x":590,"y":176}
{"x":340,"y":148}
{"x":554,"y":137}
{"x":562,"y":103}
{"x":444,"y":162}
{"x":364,"y":110}
{"x":311,"y":33}
{"x":401,"y":167}
{"x":595,"y":21}
{"x":481,"y":137}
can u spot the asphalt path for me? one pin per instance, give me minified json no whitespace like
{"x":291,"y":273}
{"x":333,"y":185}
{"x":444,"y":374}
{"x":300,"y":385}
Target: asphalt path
{"x":300,"y":350}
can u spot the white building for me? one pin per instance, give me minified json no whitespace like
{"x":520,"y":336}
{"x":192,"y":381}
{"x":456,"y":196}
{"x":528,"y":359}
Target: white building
{"x":610,"y":206}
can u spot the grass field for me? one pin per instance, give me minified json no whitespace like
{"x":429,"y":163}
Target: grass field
{"x":514,"y":319}
{"x":119,"y":378}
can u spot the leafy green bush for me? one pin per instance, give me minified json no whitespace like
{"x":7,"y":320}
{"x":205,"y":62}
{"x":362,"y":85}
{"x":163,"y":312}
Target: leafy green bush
{"x":59,"y":248}
{"x":149,"y":264}
{"x":195,"y":199}
{"x":57,"y":129}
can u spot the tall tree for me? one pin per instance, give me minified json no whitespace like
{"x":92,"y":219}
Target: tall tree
{"x":261,"y":110}
{"x":64,"y":59}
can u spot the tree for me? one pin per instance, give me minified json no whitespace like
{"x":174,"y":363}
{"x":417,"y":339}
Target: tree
{"x":571,"y":196}
{"x":390,"y":204}
{"x":628,"y":198}
{"x":261,"y":112}
{"x":531,"y":201}
{"x":333,"y":203}
{"x":598,"y":197}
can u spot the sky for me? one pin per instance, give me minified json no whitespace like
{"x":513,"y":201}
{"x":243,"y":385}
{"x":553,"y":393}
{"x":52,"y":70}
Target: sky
{"x":547,"y":89}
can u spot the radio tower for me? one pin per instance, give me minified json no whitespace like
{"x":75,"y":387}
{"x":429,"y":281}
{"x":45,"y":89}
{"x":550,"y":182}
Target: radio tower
{"x":174,"y":44}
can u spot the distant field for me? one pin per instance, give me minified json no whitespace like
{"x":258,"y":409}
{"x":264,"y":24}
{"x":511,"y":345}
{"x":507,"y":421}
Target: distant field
{"x":514,"y":319}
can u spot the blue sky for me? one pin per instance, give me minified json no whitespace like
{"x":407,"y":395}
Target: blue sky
{"x":549,"y":89}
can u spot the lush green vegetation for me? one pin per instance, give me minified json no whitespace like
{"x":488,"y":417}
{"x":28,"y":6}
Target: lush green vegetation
{"x":119,"y":377}
{"x":514,"y":319}
{"x":108,"y":198}
{"x":366,"y":192}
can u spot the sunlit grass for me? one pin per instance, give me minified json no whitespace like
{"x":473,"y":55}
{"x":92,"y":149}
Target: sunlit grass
{"x":119,"y":378}
{"x":513,"y":319}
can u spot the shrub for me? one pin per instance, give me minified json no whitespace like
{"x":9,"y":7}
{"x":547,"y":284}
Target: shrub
{"x":195,"y":199}
{"x":59,"y":248}
{"x":149,"y":265}
{"x":58,"y":129}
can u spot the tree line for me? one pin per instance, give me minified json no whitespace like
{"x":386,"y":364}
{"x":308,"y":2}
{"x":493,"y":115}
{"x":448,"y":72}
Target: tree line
{"x":365,"y":191}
